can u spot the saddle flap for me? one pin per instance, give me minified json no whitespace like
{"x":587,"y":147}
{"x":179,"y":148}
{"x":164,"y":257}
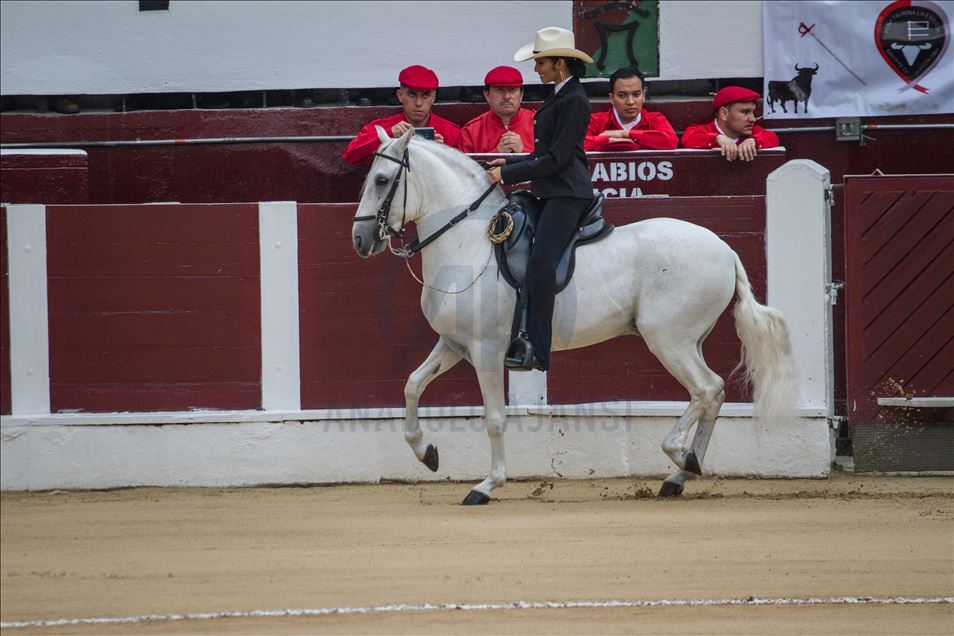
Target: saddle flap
{"x":514,"y":253}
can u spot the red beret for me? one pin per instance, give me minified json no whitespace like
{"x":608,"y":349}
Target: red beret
{"x":503,"y":76}
{"x":732,"y":94}
{"x":419,"y":77}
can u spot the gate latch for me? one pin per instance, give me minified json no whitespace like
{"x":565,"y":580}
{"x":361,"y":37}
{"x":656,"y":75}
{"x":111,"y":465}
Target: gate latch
{"x":831,"y":290}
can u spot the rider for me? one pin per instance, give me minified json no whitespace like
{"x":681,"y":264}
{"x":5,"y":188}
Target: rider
{"x":506,"y":127}
{"x":559,"y":176}
{"x":733,"y":127}
{"x":627,"y":125}
{"x":416,"y":94}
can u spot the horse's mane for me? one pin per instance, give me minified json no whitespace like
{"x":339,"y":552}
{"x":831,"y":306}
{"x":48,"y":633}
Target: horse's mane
{"x":443,"y":152}
{"x":449,"y":155}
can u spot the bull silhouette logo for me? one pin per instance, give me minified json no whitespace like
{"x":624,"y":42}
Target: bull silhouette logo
{"x":912,"y":37}
{"x":797,"y":89}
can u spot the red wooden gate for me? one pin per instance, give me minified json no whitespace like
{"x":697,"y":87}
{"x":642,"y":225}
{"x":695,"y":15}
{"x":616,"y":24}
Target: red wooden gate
{"x":899,"y":271}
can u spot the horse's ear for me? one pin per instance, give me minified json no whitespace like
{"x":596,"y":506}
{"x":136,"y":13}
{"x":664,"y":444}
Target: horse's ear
{"x":401,"y":144}
{"x":382,"y":135}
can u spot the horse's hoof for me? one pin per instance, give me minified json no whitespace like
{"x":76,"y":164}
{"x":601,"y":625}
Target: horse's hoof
{"x":431,"y":459}
{"x":692,"y":464}
{"x":670,"y":489}
{"x":475,"y":498}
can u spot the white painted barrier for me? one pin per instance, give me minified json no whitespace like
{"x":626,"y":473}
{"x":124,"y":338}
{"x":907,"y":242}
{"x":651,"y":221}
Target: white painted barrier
{"x":283,"y":444}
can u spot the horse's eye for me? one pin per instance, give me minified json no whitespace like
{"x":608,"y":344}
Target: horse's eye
{"x":381,"y":180}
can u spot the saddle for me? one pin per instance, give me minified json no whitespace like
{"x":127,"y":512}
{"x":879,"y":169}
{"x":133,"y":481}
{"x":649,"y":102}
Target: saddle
{"x":513,"y":256}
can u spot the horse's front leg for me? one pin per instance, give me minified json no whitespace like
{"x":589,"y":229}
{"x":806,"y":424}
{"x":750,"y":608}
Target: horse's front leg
{"x":495,"y":415}
{"x":442,"y":358}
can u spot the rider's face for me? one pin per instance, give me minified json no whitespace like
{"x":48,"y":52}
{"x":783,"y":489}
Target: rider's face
{"x":550,"y":70}
{"x":417,"y":104}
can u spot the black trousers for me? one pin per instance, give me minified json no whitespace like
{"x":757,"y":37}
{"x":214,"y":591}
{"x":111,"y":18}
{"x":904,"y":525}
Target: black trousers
{"x":558,"y":221}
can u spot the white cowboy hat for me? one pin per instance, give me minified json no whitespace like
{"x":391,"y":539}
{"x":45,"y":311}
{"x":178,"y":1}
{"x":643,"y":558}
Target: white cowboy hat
{"x":551,"y":42}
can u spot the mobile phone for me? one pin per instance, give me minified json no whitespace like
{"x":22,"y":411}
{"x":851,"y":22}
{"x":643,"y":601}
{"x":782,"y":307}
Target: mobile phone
{"x":426,"y":133}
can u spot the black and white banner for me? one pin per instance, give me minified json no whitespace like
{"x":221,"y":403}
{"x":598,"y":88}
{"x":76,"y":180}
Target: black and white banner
{"x":849,"y":58}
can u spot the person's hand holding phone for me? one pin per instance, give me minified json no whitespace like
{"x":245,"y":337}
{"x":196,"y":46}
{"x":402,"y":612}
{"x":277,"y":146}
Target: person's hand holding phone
{"x":400,"y":128}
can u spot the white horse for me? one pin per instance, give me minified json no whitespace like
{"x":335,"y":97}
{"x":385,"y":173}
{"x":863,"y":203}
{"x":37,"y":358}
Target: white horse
{"x":664,"y":280}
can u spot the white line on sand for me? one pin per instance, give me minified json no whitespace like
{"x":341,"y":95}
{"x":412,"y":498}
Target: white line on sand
{"x":516,"y":605}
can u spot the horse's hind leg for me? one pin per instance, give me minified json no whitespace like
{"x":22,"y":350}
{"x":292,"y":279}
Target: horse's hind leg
{"x":683,"y":359}
{"x":442,"y":358}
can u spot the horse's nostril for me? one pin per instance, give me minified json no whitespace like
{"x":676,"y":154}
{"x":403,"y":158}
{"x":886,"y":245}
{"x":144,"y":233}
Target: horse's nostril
{"x":357,"y":242}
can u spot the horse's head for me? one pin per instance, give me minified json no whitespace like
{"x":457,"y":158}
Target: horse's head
{"x":381,"y":210}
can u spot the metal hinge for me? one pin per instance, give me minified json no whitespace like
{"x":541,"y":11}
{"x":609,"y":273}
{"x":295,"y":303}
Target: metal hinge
{"x":831,"y":290}
{"x":830,"y":196}
{"x":836,"y":421}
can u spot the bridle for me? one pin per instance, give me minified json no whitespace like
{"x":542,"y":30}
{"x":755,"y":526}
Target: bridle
{"x":385,"y":231}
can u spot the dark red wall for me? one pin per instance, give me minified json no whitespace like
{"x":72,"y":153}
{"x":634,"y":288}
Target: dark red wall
{"x":154,"y":308}
{"x":5,"y":397}
{"x":623,"y":368}
{"x":44,"y":178}
{"x":362,"y":330}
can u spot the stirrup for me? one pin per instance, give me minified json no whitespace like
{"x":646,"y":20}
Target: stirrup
{"x":520,"y":356}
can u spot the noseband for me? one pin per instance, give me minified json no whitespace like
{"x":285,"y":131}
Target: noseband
{"x":384,"y":228}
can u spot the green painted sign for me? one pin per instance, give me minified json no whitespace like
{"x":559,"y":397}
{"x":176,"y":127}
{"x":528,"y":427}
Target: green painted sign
{"x":618,"y":34}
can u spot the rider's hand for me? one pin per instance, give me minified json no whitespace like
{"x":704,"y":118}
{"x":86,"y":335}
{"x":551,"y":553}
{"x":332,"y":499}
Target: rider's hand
{"x":400,"y":128}
{"x":439,"y":138}
{"x":494,"y":174}
{"x":494,"y":163}
{"x":729,"y":150}
{"x":748,"y":150}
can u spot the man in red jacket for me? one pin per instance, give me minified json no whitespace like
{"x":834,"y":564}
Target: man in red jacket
{"x":733,"y":127}
{"x":416,"y":94}
{"x":626,"y":126}
{"x":506,"y":127}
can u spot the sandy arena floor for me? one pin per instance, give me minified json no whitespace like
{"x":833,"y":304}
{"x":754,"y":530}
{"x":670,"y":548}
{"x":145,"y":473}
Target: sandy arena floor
{"x":128,"y":553}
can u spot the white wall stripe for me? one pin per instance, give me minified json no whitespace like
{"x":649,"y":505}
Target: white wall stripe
{"x":515,"y":605}
{"x":29,"y":320}
{"x":278,"y":246}
{"x":527,"y":388}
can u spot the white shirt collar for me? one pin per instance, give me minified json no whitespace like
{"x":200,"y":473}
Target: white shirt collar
{"x":629,"y":126}
{"x":561,"y":85}
{"x":722,"y":132}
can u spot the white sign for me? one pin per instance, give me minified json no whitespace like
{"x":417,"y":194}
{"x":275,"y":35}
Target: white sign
{"x":847,"y":58}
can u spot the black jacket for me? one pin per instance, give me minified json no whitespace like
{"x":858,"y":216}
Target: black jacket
{"x":557,"y":166}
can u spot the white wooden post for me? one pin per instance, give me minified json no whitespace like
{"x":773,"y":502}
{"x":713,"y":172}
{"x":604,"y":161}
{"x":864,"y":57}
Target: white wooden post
{"x":278,"y":245}
{"x":798,"y":244}
{"x":29,"y":319}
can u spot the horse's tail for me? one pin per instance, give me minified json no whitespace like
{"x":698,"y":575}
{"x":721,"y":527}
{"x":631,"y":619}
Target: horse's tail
{"x":766,"y":352}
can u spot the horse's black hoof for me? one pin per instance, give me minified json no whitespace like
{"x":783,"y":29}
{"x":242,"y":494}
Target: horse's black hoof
{"x":475,"y":498}
{"x":670,"y":489}
{"x":431,"y":459}
{"x":692,"y":464}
